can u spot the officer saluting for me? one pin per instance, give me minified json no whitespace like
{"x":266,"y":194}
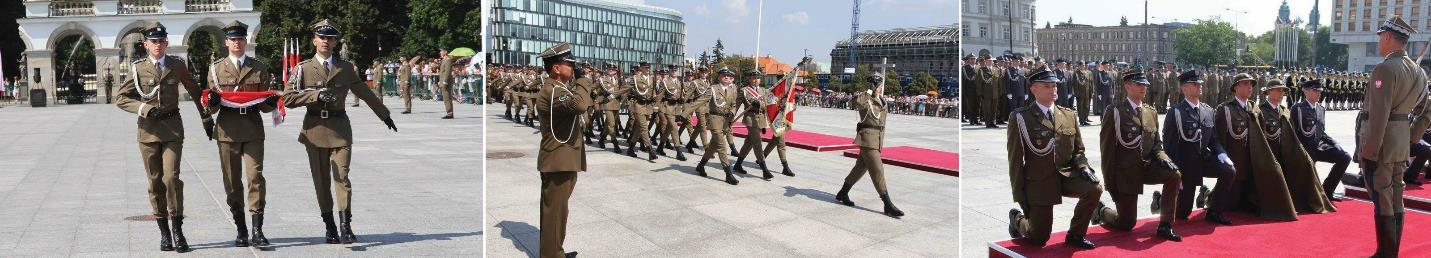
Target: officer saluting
{"x":154,"y":95}
{"x":240,"y":130}
{"x":561,"y":155}
{"x":1133,"y":156}
{"x":1046,"y":163}
{"x":321,"y":85}
{"x":1397,"y":87}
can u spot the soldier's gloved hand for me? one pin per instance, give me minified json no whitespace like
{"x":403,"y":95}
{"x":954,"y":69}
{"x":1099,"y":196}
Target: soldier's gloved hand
{"x":1011,"y":96}
{"x":326,"y":95}
{"x":389,"y":121}
{"x":209,"y":127}
{"x":214,"y":98}
{"x":271,"y":101}
{"x":1225,"y":160}
{"x":152,"y":114}
{"x":1168,"y":164}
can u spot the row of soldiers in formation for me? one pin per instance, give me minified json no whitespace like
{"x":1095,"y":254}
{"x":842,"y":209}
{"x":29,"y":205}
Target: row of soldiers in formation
{"x":574,"y":105}
{"x":239,"y":92}
{"x":1261,"y":152}
{"x":999,"y":85}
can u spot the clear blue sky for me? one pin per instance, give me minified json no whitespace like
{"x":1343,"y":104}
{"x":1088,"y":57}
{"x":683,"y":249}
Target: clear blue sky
{"x":1258,"y":18}
{"x":792,"y":26}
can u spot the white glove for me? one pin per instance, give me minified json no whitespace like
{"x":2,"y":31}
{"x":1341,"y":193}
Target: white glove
{"x":1011,"y":96}
{"x":1225,"y":160}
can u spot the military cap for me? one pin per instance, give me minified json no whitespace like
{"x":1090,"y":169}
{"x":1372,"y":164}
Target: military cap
{"x":235,"y":30}
{"x":1398,"y":26}
{"x":1314,"y":83}
{"x":725,"y":70}
{"x":1273,"y":84}
{"x":610,"y":66}
{"x":703,"y":69}
{"x":1190,"y":76}
{"x":643,"y":64}
{"x":968,"y":56}
{"x":559,"y":52}
{"x":1043,"y":74}
{"x":875,"y":79}
{"x":325,"y":28}
{"x":1134,"y":75}
{"x":753,"y":72}
{"x":1241,"y":77}
{"x":155,"y":30}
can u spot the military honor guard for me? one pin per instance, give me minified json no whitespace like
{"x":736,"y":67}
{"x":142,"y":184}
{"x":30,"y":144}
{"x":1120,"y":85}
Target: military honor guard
{"x":641,"y":93}
{"x":869,"y":135}
{"x":1133,"y":156}
{"x":1397,"y":88}
{"x":753,"y":99}
{"x":1192,"y":144}
{"x":1046,"y":163}
{"x":561,"y":155}
{"x":1298,"y":169}
{"x":444,"y":82}
{"x":238,"y":92}
{"x":1259,"y":175}
{"x":152,"y":92}
{"x":720,"y":110}
{"x":321,"y":84}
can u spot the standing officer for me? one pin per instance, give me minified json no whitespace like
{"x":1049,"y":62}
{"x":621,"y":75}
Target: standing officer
{"x":1103,"y":86}
{"x":1189,"y":140}
{"x":1015,"y":87}
{"x":869,"y":135}
{"x":720,"y":110}
{"x":561,"y":155}
{"x":1046,"y":163}
{"x":1133,"y":156}
{"x":444,"y":82}
{"x":754,"y":98}
{"x":1083,"y":86}
{"x":240,"y":130}
{"x":969,"y":84}
{"x":989,"y":90}
{"x":404,"y":75}
{"x":1308,"y":118}
{"x":1065,"y":86}
{"x":322,"y":84}
{"x":1397,"y":87}
{"x":153,"y":94}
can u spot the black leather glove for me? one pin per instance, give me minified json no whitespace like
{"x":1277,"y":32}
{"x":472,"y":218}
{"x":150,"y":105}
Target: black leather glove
{"x":1168,"y":164}
{"x":389,"y":122}
{"x":326,"y":95}
{"x":214,"y":98}
{"x":1089,"y":174}
{"x":271,"y":101}
{"x":152,"y":114}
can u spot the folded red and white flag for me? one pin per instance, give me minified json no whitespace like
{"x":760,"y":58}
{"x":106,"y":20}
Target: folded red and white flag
{"x":243,"y":99}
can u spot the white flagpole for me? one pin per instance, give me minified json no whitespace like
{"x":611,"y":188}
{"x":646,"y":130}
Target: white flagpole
{"x":759,"y":20}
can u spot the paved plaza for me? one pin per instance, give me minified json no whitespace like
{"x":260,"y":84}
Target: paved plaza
{"x":629,"y":207}
{"x":988,"y":198}
{"x":72,"y":184}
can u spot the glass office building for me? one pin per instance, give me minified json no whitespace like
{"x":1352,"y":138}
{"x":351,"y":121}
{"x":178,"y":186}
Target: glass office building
{"x":934,"y":50}
{"x":599,"y":31}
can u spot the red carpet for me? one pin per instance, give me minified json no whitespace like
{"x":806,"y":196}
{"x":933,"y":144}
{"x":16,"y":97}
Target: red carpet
{"x":806,"y":140}
{"x":1347,"y":233}
{"x":941,"y":162}
{"x":1417,"y":197}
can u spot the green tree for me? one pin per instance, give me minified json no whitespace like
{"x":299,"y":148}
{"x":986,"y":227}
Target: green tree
{"x":925,"y":82}
{"x":705,"y":59}
{"x":441,"y":24}
{"x":204,"y":48}
{"x":73,"y":54}
{"x":892,"y":82}
{"x":1123,"y":21}
{"x":718,"y":51}
{"x":1328,"y":54}
{"x":859,"y":83}
{"x":1209,"y":42}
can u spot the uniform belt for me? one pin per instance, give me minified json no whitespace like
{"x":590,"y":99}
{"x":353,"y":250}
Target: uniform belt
{"x":242,"y":110}
{"x":1400,"y":117}
{"x":865,"y":126}
{"x":162,"y":114}
{"x":326,"y":113}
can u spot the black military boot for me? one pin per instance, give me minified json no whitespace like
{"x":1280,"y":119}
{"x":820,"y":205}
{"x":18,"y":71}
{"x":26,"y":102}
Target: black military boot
{"x":347,"y":227}
{"x":1165,"y":230}
{"x":691,"y":145}
{"x":630,"y":148}
{"x":730,"y":177}
{"x":765,"y":173}
{"x":1014,"y":231}
{"x":1383,"y":229}
{"x":601,"y":141}
{"x":701,"y":168}
{"x":615,"y":145}
{"x":738,"y":168}
{"x":786,"y":171}
{"x":166,"y":242}
{"x":681,"y":156}
{"x":889,"y":209}
{"x":1078,"y":241}
{"x":650,"y":154}
{"x":257,"y":238}
{"x":180,"y":243}
{"x":1203,"y":194}
{"x":843,"y":197}
{"x":330,"y":234}
{"x":241,"y":240}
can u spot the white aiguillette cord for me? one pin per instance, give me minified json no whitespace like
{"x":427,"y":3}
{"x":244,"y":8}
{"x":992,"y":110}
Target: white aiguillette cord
{"x":551,"y":116}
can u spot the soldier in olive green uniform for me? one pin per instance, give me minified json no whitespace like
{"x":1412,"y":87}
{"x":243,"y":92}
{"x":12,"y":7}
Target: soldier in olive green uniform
{"x":1133,"y":156}
{"x":641,"y":93}
{"x":987,"y":79}
{"x":240,"y":131}
{"x":700,"y":91}
{"x":753,"y":99}
{"x":608,"y":106}
{"x":444,"y":82}
{"x":404,"y":74}
{"x":1047,"y":163}
{"x":869,"y":135}
{"x":561,"y":155}
{"x":720,"y":110}
{"x":153,"y":94}
{"x":1398,"y":87}
{"x":321,"y":84}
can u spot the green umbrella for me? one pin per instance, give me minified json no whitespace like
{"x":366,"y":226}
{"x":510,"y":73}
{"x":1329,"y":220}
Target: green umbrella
{"x":462,"y":51}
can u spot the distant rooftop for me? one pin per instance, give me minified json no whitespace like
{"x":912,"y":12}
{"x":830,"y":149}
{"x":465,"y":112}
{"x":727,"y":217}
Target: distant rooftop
{"x":940,"y":33}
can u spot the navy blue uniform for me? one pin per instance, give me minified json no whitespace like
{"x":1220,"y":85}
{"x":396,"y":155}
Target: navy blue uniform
{"x":1190,"y":139}
{"x":1309,"y":120}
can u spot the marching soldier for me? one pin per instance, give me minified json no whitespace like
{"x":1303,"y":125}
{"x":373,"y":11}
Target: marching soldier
{"x":777,"y":141}
{"x":240,"y":130}
{"x":1308,"y":118}
{"x":153,"y":94}
{"x":1047,"y":163}
{"x":1133,"y":156}
{"x":753,"y":99}
{"x":720,"y":110}
{"x":700,"y":91}
{"x":1194,"y":148}
{"x":321,"y":84}
{"x":869,"y":135}
{"x":1398,"y":87}
{"x":607,"y":89}
{"x":444,"y":82}
{"x":561,"y":155}
{"x":641,"y":95}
